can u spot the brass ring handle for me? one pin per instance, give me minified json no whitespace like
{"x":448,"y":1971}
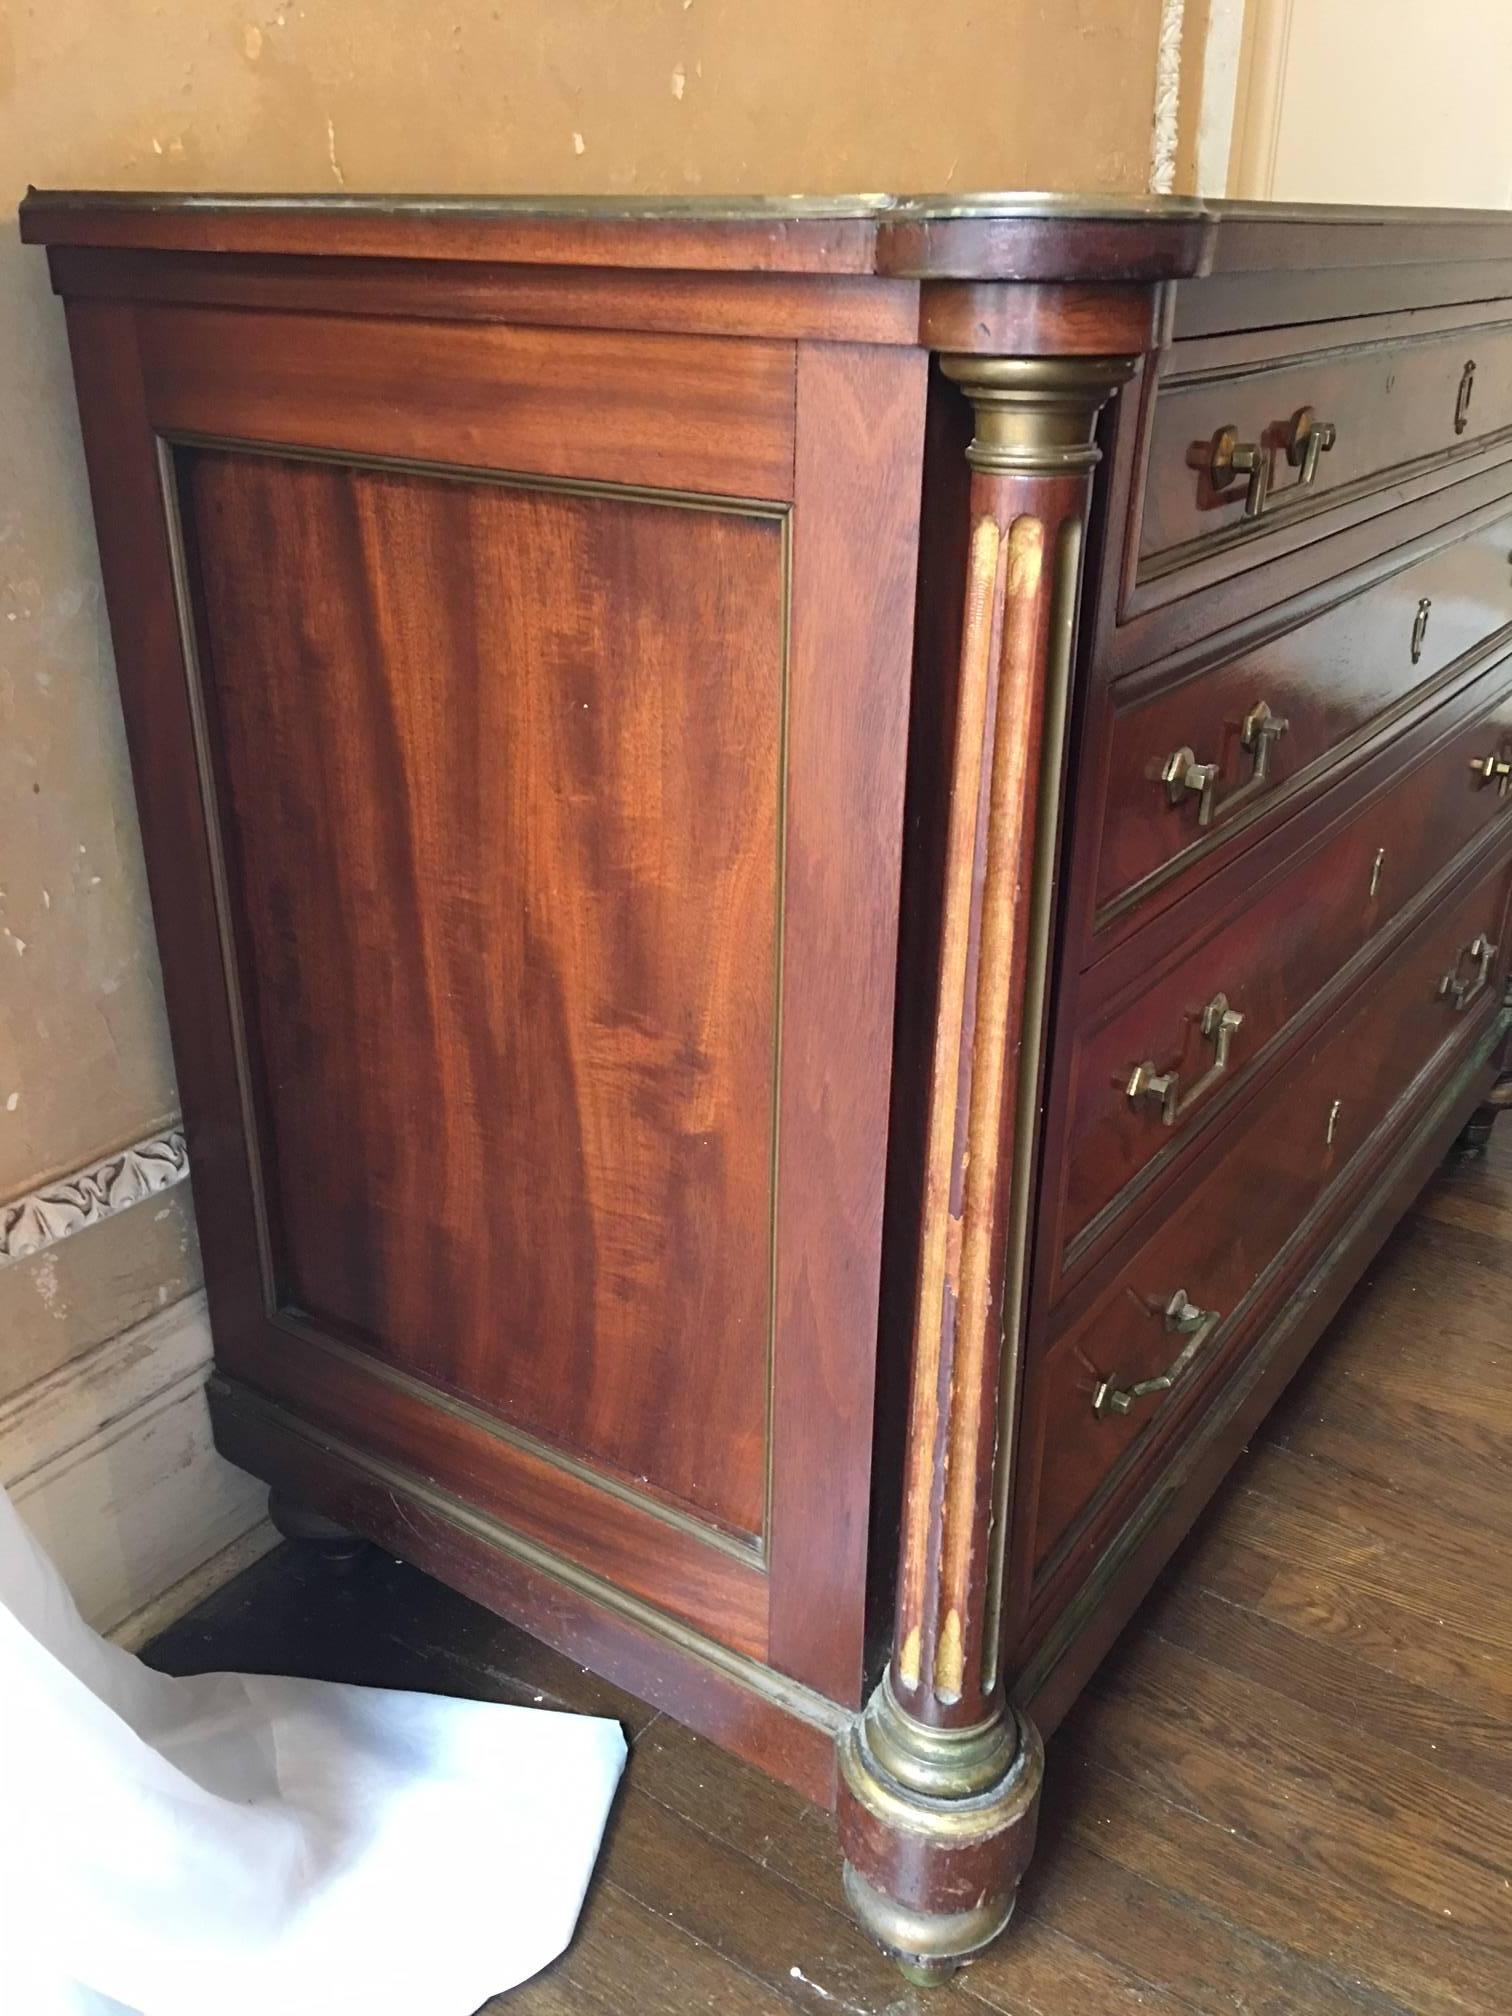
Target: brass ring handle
{"x":1219,"y":1022}
{"x":1183,"y":1319}
{"x":1420,"y":627}
{"x":1308,"y":438}
{"x":1183,"y":775}
{"x":1494,"y":769}
{"x":1229,"y":457}
{"x":1482,"y":954}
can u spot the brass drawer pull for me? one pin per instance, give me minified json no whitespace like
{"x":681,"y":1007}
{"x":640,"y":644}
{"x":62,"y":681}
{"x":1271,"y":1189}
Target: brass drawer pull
{"x":1219,"y":1023}
{"x":1493,"y":769}
{"x":1183,"y":1319}
{"x":1182,"y":774}
{"x":1309,"y":437}
{"x":1481,"y":953}
{"x":1229,"y":457}
{"x":1462,"y":399}
{"x":1420,"y":627}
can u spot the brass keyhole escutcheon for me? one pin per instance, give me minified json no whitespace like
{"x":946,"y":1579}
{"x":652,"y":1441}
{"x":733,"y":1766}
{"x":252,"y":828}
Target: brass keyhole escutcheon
{"x":1420,"y":627}
{"x":1462,"y":398}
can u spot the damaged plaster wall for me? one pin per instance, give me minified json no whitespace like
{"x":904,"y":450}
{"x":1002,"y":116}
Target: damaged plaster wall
{"x":671,"y":96}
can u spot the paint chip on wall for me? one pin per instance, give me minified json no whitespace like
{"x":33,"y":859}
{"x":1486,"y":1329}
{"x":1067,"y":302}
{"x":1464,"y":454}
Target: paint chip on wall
{"x":578,"y":143}
{"x":679,"y":81}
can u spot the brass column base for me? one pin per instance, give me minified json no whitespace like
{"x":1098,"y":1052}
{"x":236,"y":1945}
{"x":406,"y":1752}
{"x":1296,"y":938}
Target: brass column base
{"x":937,"y":1828}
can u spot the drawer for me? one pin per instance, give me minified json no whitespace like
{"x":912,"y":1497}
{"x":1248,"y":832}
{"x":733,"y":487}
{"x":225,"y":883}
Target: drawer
{"x":1166,"y":1053}
{"x":1145,"y":1348}
{"x":1192,"y":762}
{"x":1240,"y":447}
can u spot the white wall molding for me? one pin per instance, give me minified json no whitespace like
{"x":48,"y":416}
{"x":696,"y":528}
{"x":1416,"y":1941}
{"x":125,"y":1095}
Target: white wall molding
{"x":1166,"y":127}
{"x":69,"y":1204}
{"x":1222,"y":55}
{"x":110,"y":1462}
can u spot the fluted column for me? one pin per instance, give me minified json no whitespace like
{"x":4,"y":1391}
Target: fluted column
{"x":940,"y":1776}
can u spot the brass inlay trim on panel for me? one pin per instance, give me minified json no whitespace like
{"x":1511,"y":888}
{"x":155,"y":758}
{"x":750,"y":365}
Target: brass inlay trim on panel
{"x":775,"y":508}
{"x":766,"y":1681}
{"x":299,"y":1323}
{"x":204,"y":764}
{"x":291,"y":1320}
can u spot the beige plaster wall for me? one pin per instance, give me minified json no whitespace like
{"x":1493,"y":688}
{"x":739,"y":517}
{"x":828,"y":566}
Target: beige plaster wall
{"x":559,"y":95}
{"x":1376,"y":101}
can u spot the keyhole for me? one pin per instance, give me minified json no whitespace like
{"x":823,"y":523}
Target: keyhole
{"x":1333,"y":1121}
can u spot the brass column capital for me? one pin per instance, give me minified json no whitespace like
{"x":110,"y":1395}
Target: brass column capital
{"x":1035,"y":416}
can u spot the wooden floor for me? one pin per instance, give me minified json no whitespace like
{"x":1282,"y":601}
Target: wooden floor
{"x":1289,"y":1793}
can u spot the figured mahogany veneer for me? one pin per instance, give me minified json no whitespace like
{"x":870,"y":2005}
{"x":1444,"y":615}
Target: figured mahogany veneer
{"x":1271,"y":954}
{"x":1300,"y":1135}
{"x":1397,"y":394}
{"x":741,"y":1109}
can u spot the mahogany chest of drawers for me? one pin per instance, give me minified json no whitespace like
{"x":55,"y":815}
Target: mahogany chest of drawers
{"x":824,"y":872}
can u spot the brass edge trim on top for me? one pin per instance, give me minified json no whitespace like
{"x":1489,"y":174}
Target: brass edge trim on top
{"x":791,"y":1695}
{"x":1247,"y":1372}
{"x":776,"y":510}
{"x":859,"y":206}
{"x":1010,"y":204}
{"x":750,"y":1553}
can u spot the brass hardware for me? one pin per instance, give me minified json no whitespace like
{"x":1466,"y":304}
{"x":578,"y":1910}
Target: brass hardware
{"x":1259,"y":730}
{"x":1229,"y":457}
{"x":1183,"y":1319}
{"x":1493,"y":769}
{"x":1375,"y":872}
{"x":1462,"y":401}
{"x":1219,"y":1023}
{"x":1482,"y":955}
{"x":1420,"y":627}
{"x":1181,"y":773}
{"x":1309,"y":437}
{"x":1333,"y":1122}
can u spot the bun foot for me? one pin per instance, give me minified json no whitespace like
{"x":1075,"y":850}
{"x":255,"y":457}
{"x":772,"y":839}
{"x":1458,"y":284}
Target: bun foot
{"x":937,"y":1827}
{"x":1476,"y":1137}
{"x":337,"y":1546}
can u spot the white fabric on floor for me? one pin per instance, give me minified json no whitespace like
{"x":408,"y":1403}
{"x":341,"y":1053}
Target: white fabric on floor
{"x":259,"y":1847}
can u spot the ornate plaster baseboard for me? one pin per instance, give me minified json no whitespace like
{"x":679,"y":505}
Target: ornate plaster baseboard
{"x":69,"y":1204}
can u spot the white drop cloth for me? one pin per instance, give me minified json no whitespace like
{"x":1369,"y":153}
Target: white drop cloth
{"x":257,"y":1847}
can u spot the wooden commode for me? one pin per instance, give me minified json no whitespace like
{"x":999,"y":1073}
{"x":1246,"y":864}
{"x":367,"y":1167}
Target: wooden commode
{"x":825,"y":870}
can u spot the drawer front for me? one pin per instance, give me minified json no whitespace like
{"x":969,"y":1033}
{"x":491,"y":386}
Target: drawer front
{"x":1238,"y":450}
{"x":1169,"y":1312}
{"x":1193,"y":764}
{"x":1156,"y":1064}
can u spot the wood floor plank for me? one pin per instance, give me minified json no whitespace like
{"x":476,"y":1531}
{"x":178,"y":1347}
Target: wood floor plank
{"x":1393,"y":1632}
{"x":1427,"y":1970}
{"x":1317,"y":1675}
{"x":629,"y":1961}
{"x":1416,"y":1839}
{"x":1288,"y":1792}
